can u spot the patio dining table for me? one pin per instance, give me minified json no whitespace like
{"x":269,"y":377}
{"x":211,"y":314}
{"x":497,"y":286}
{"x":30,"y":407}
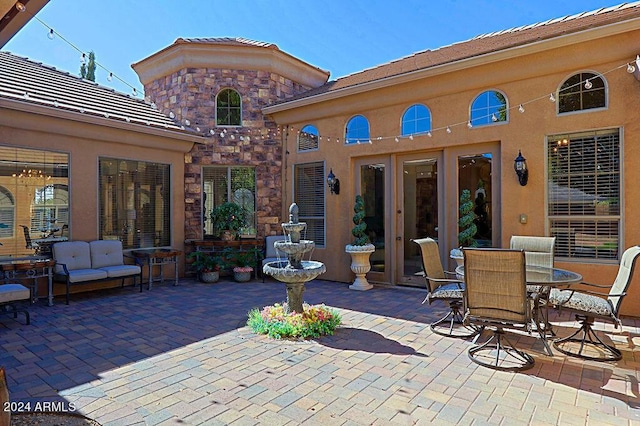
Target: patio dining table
{"x":546,"y":278}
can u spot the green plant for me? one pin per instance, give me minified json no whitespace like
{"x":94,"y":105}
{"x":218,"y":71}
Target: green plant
{"x":243,"y":260}
{"x":228,"y":216}
{"x":360,"y":226}
{"x":276,"y":322}
{"x":204,"y":262}
{"x":467,"y":228}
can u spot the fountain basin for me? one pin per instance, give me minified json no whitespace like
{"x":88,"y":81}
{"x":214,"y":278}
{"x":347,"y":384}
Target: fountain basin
{"x":281,"y":271}
{"x":288,"y":247}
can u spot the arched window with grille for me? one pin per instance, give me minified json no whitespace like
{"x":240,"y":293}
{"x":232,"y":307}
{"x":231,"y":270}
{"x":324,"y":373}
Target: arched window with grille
{"x":308,"y":138}
{"x":488,"y":108}
{"x":415,"y":120}
{"x":228,"y":108}
{"x":582,"y":91}
{"x":357,"y":130}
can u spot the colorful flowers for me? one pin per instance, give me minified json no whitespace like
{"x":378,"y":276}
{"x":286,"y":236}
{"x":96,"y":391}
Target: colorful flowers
{"x":277,"y":322}
{"x":243,"y":269}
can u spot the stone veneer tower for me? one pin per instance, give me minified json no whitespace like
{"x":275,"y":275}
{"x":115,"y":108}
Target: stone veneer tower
{"x":183,"y":80}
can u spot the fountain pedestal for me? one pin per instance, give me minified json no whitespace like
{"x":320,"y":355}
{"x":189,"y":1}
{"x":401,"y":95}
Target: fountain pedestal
{"x":295,"y":272}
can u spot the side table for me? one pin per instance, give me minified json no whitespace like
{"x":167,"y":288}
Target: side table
{"x":157,"y":257}
{"x":30,"y":269}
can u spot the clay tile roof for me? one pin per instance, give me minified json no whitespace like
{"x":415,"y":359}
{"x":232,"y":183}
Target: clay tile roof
{"x":31,"y":82}
{"x":483,"y":44}
{"x":232,"y":41}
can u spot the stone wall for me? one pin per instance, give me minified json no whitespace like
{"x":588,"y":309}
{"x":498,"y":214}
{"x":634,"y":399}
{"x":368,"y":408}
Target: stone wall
{"x":189,"y":95}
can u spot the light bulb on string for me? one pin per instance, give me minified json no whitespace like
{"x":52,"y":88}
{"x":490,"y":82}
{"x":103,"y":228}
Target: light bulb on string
{"x":521,"y":108}
{"x":21,"y":7}
{"x":110,"y":77}
{"x":429,"y":134}
{"x":83,"y":58}
{"x":135,"y":92}
{"x":493,"y":117}
{"x":411,"y":137}
{"x":588,"y":85}
{"x":397,"y":140}
{"x":469,"y":125}
{"x":448,"y":129}
{"x":552,"y":98}
{"x":51,"y":34}
{"x":630,"y":68}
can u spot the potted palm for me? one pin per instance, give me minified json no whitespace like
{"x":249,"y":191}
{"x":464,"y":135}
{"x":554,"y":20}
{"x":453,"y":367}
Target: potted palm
{"x":207,"y":266}
{"x":228,"y":218}
{"x":361,"y":248}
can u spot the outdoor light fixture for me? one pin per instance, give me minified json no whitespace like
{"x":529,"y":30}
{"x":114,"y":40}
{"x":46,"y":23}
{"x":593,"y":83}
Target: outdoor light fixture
{"x":334,"y":183}
{"x":520,"y":165}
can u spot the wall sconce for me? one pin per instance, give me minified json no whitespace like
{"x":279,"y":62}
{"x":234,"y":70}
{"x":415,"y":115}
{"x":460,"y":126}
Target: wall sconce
{"x":334,"y":183}
{"x":520,"y":166}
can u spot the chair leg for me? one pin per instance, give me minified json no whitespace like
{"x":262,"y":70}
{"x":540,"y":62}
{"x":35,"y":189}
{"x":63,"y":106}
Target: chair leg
{"x":451,"y":325}
{"x":588,"y":339}
{"x":502,"y":352}
{"x":67,"y":292}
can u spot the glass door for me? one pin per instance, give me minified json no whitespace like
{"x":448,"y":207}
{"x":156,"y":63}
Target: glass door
{"x":419,"y":215}
{"x":372,"y":184}
{"x":475,"y":200}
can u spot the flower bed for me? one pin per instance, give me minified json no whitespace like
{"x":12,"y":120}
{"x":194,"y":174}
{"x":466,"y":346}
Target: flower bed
{"x":277,"y":323}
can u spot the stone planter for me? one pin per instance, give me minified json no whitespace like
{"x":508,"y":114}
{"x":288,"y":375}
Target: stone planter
{"x":242,"y":277}
{"x":209,"y":277}
{"x":360,"y":265}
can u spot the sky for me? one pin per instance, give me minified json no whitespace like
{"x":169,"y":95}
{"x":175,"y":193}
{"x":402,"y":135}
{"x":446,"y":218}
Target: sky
{"x":340,"y":36}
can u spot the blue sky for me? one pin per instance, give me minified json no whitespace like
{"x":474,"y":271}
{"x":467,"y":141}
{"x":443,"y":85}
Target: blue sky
{"x":341,"y":36}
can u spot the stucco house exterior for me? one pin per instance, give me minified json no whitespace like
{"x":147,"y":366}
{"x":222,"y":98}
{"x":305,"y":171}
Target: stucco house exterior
{"x":240,"y":120}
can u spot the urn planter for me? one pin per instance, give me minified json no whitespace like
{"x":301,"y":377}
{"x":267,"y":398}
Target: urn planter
{"x":360,"y":265}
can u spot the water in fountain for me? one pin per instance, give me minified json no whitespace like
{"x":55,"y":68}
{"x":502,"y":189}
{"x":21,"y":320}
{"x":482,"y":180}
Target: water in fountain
{"x":295,"y":272}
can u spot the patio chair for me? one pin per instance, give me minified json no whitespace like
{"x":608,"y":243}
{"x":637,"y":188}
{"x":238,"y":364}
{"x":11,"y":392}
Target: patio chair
{"x":496,"y":298}
{"x":14,"y":298}
{"x":27,"y":238}
{"x":450,"y":290}
{"x":588,"y":305}
{"x":538,"y":251}
{"x":271,"y":253}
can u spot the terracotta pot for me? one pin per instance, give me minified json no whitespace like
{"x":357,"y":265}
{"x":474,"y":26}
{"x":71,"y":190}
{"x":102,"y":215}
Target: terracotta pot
{"x":227,"y":235}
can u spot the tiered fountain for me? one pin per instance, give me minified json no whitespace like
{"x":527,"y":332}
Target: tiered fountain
{"x":294,"y":272}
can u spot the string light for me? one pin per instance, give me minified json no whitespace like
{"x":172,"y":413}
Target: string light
{"x":469,"y":125}
{"x":51,"y":34}
{"x":83,"y":58}
{"x":110,"y":77}
{"x":552,"y":98}
{"x":587,"y":84}
{"x":448,"y":129}
{"x":630,"y":68}
{"x":521,"y":108}
{"x":21,"y":7}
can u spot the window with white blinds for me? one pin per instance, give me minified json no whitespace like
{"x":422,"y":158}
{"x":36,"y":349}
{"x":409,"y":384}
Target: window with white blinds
{"x":308,"y":138}
{"x":135,"y":203}
{"x":308,"y":194}
{"x":221,"y":184}
{"x":34,"y":193}
{"x":584,"y":194}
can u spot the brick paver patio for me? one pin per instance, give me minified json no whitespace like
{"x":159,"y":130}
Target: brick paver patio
{"x":183,"y":355}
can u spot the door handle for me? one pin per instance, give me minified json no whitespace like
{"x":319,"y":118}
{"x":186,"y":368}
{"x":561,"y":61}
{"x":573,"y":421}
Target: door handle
{"x":398,"y":238}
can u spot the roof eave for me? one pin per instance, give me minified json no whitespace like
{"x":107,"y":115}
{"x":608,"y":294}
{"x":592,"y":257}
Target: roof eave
{"x":98,"y":121}
{"x":474,"y":61}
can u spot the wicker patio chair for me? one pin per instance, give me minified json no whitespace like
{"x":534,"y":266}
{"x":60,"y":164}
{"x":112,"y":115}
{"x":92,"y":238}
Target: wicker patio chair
{"x":496,"y":298}
{"x":440,"y":287}
{"x":588,"y":305}
{"x":538,"y":251}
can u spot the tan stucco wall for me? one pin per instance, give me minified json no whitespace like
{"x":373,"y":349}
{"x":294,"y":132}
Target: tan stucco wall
{"x":85,"y":143}
{"x":527,"y":79}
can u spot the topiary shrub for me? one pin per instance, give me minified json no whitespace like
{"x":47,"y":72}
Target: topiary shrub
{"x":467,"y":228}
{"x":360,"y":226}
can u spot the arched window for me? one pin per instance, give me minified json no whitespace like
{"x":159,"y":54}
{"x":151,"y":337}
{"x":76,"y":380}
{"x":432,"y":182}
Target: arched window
{"x":308,"y":138}
{"x":228,"y":108}
{"x":489,"y":107}
{"x":416,"y":119}
{"x":7,"y":213}
{"x":582,"y":91}
{"x":357,"y":130}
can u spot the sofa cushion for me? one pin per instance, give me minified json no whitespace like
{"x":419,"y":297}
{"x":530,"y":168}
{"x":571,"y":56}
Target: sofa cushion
{"x":106,"y":253}
{"x":74,"y":254}
{"x":121,"y":270}
{"x":13,"y":292}
{"x":81,"y":275}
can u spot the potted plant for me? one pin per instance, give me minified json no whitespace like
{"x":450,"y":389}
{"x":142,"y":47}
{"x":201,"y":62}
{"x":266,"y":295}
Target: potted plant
{"x":361,"y":248}
{"x":207,"y":265}
{"x":244,"y":262}
{"x":467,"y":227}
{"x":228,"y":218}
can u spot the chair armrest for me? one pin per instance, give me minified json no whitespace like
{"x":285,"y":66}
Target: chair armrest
{"x":64,"y":267}
{"x":452,"y":273}
{"x":594,"y":285}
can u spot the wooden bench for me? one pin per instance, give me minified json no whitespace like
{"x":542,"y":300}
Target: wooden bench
{"x":81,"y":262}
